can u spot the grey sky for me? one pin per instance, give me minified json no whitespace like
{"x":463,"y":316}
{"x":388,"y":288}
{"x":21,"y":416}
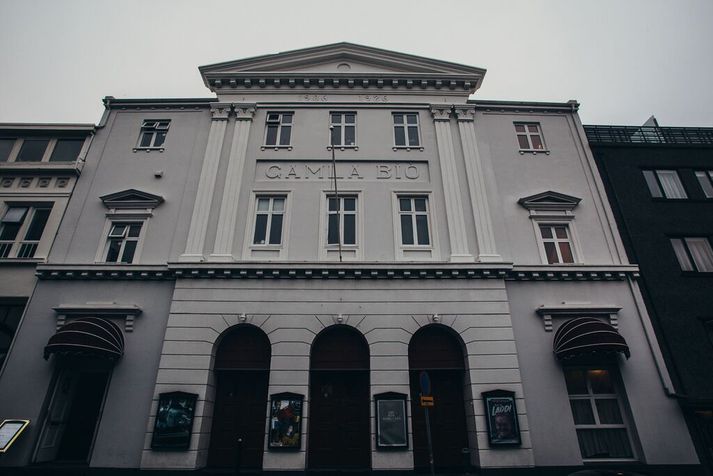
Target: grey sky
{"x":622,"y":59}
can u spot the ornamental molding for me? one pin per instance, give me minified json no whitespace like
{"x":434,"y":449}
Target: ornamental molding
{"x":465,"y":113}
{"x":441,"y":113}
{"x":98,"y":309}
{"x":131,"y":199}
{"x":244,"y":112}
{"x":571,"y":310}
{"x":549,"y":201}
{"x":220,"y":111}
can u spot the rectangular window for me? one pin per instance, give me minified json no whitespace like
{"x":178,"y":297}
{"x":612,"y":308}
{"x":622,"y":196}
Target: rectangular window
{"x":32,"y":150}
{"x":406,"y":133}
{"x":597,"y":411}
{"x":664,"y":184}
{"x":66,"y":150}
{"x":10,"y":314}
{"x":413,"y":217}
{"x":705,"y":178}
{"x":21,"y":230}
{"x":122,"y":242}
{"x":269,"y":217}
{"x":278,"y":128}
{"x":6,"y":146}
{"x":529,"y":136}
{"x":153,"y":133}
{"x":557,"y":243}
{"x":342,"y":220}
{"x":343,"y":126}
{"x":693,"y":254}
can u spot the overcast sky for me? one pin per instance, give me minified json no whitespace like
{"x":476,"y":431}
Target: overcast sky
{"x":622,"y":59}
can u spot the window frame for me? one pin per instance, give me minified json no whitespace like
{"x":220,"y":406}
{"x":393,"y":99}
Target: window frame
{"x":654,"y":174}
{"x":267,"y":252}
{"x":342,"y":124}
{"x":528,"y":135}
{"x":20,"y":240}
{"x":155,"y":130}
{"x":330,"y":251}
{"x":414,"y":252}
{"x":686,"y":249}
{"x":619,"y":395}
{"x":125,"y":238}
{"x":705,"y":180}
{"x":556,"y":240}
{"x":405,"y":125}
{"x":280,"y":125}
{"x":11,"y":302}
{"x":123,"y":216}
{"x":566,"y":221}
{"x":19,"y":141}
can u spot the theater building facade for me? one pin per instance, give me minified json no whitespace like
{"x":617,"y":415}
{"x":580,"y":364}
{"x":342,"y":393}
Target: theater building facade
{"x":277,"y":276}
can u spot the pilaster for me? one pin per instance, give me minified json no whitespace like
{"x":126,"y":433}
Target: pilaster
{"x":225,"y":235}
{"x":485,"y":237}
{"x":206,"y":184}
{"x":451,"y":189}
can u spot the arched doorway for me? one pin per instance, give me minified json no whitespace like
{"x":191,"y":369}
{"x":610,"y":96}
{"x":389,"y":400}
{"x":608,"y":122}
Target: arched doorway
{"x":242,"y":367}
{"x":436,"y":350}
{"x":339,"y":433}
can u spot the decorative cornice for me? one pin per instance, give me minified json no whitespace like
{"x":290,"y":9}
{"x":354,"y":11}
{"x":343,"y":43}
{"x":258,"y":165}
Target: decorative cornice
{"x":220,"y":111}
{"x":441,"y":113}
{"x":465,"y":113}
{"x":131,"y":198}
{"x":550,"y":200}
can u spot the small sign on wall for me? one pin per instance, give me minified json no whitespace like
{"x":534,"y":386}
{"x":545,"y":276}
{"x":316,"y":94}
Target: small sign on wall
{"x":391,"y":418}
{"x":501,"y":416}
{"x":174,"y":421}
{"x":285,"y":421}
{"x":10,"y":430}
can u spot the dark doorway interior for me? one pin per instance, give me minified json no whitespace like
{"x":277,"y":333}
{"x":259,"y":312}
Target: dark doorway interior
{"x":435,"y":350}
{"x":339,"y":407}
{"x":242,"y":366}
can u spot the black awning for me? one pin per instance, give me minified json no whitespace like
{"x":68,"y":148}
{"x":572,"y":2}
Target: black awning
{"x":92,"y":337}
{"x":584,"y":336}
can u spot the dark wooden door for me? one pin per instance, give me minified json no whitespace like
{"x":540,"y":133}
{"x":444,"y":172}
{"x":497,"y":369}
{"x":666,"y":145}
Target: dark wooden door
{"x":339,"y":420}
{"x":240,"y":412}
{"x":448,"y":429}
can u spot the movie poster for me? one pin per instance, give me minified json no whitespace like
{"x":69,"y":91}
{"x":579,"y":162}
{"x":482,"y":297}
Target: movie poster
{"x":501,"y":413}
{"x":174,"y":421}
{"x":391,"y":423}
{"x":285,"y":421}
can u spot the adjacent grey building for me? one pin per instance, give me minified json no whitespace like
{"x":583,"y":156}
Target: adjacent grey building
{"x":276,"y":275}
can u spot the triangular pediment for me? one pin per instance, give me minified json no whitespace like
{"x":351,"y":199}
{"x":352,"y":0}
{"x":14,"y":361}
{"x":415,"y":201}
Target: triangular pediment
{"x":340,"y":62}
{"x":549,"y":201}
{"x":131,"y":198}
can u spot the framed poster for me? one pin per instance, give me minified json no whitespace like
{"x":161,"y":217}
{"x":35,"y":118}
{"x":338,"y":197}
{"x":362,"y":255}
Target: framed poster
{"x":174,"y":421}
{"x":285,"y":421}
{"x":391,"y":421}
{"x":10,"y":430}
{"x":501,"y":415}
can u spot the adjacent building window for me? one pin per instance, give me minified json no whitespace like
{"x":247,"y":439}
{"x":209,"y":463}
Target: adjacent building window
{"x":269,"y":218}
{"x":21,"y":230}
{"x":342,"y":220}
{"x":278,"y":128}
{"x":529,"y":136}
{"x":664,"y":184}
{"x":413,"y":218}
{"x":122,"y":242}
{"x":153,"y":133}
{"x":32,"y":150}
{"x":343,"y":126}
{"x":596,"y":407}
{"x":66,"y":150}
{"x":406,"y":133}
{"x":693,"y":254}
{"x":557,"y":242}
{"x":10,"y":314}
{"x":6,"y":146}
{"x":705,"y":178}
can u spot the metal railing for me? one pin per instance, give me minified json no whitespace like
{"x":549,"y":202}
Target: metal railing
{"x":649,"y":135}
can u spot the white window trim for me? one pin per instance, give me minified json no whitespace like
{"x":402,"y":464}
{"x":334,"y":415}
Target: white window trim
{"x":566,"y":219}
{"x":705,"y":176}
{"x":689,"y":255}
{"x":252,"y":251}
{"x":124,"y":215}
{"x":659,"y":184}
{"x":160,"y":148}
{"x":401,"y":251}
{"x":330,"y":252}
{"x":277,"y":146}
{"x":342,"y":146}
{"x":531,"y":150}
{"x":393,"y":131}
{"x":49,"y":231}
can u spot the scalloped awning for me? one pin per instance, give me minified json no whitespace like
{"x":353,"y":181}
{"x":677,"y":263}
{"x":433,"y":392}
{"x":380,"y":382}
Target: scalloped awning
{"x":588,"y":336}
{"x":91,"y":337}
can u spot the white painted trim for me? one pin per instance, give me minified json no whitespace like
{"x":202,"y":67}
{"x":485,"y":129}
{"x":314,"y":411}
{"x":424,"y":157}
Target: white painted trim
{"x":282,"y":248}
{"x":567,"y":220}
{"x":400,"y":250}
{"x":358,"y":249}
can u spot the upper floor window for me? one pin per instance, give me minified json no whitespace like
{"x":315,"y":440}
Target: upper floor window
{"x":32,"y":150}
{"x":343,"y":126}
{"x":122,"y":241}
{"x":21,"y":230}
{"x":664,"y":184}
{"x":342,"y":220}
{"x":693,"y":254}
{"x":406,"y":130}
{"x":269,"y":218}
{"x":6,"y":146}
{"x":596,"y":404}
{"x":557,"y":243}
{"x":529,"y":136}
{"x":153,"y":133}
{"x":705,"y":178}
{"x":278,"y":128}
{"x":66,"y":150}
{"x":413,"y":218}
{"x":10,"y":314}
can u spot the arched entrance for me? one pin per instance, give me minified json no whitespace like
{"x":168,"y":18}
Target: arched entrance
{"x":436,"y":350}
{"x":242,"y":367}
{"x":339,"y":434}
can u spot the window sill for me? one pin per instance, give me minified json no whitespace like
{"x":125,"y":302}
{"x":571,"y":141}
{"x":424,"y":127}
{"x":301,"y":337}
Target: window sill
{"x":148,"y":149}
{"x":276,"y":147}
{"x":344,"y":147}
{"x":10,"y":261}
{"x":534,"y":151}
{"x":407,"y":149}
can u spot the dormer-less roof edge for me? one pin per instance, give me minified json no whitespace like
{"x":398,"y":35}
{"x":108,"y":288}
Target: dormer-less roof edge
{"x":46,"y":126}
{"x":569,"y":106}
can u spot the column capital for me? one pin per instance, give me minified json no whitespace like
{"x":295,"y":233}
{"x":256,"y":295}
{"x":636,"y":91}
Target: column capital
{"x":441,"y":112}
{"x":220,"y":111}
{"x":465,"y":113}
{"x":244,"y":112}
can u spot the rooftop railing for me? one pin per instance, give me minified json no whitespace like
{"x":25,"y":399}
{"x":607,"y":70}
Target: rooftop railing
{"x":649,"y":135}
